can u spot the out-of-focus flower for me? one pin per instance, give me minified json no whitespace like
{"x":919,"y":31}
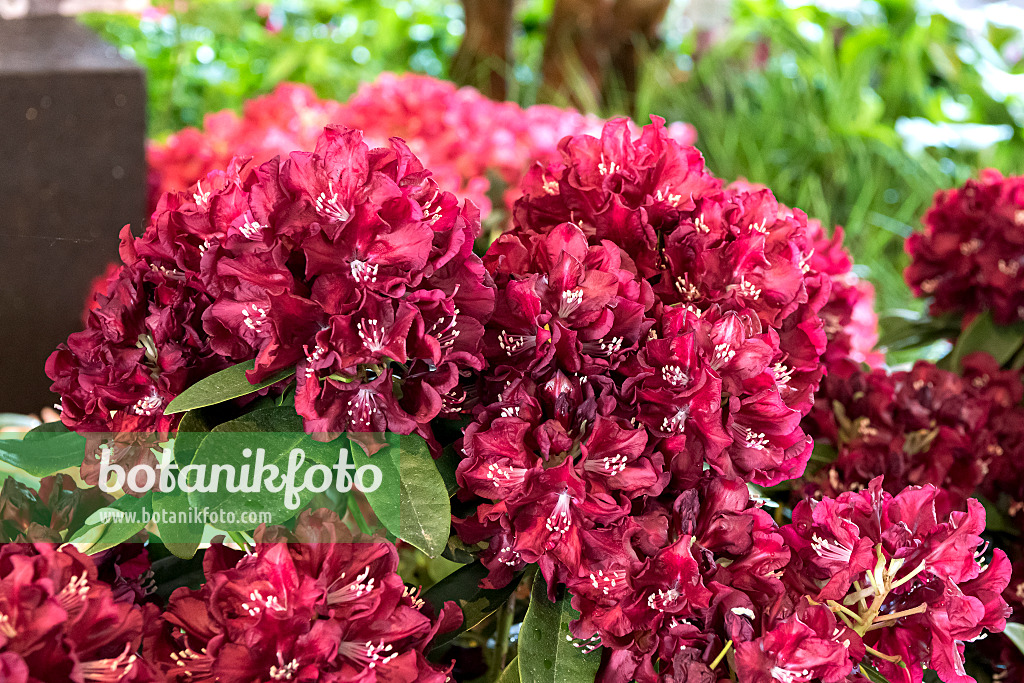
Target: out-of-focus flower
{"x":922,"y":426}
{"x":969,"y":256}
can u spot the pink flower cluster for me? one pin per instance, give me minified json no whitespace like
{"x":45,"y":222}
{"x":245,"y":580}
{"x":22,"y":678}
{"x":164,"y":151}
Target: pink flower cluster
{"x":467,"y":140}
{"x":347,"y":266}
{"x":314,"y":604}
{"x":969,"y":257}
{"x":962,"y":433}
{"x":291,"y":117}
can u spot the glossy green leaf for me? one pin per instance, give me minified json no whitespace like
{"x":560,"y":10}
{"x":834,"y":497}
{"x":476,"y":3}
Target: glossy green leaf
{"x":412,"y":501}
{"x":44,"y":453}
{"x":114,"y":524}
{"x":547,"y":651}
{"x":1002,"y":342}
{"x":511,"y":672}
{"x":1015,"y":632}
{"x":177,"y":526}
{"x":222,"y":386}
{"x":463,"y":587}
{"x":872,"y":674}
{"x":269,"y":436}
{"x":192,"y":429}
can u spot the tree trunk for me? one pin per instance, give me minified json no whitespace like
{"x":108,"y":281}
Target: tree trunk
{"x":593,"y":45}
{"x":484,"y":57}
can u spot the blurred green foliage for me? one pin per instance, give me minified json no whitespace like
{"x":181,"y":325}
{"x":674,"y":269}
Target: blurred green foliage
{"x":805,"y":101}
{"x":208,"y":55}
{"x":808,"y":103}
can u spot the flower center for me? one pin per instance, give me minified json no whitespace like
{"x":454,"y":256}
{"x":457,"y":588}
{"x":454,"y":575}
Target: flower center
{"x":363,"y":407}
{"x":327,"y":205}
{"x":830,"y":550}
{"x":147,"y":405}
{"x":367,"y":653}
{"x":363,"y":271}
{"x":609,"y":466}
{"x":514,"y":343}
{"x":109,"y":670}
{"x":674,"y":375}
{"x":560,"y":520}
{"x":677,"y":421}
{"x":254,"y":316}
{"x":571,"y":300}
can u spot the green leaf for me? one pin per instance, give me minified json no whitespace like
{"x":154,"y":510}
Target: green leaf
{"x":463,"y":587}
{"x":1000,"y":341}
{"x":547,"y":652}
{"x":100,"y":532}
{"x":44,"y":453}
{"x":995,"y":517}
{"x":511,"y":672}
{"x":192,"y":429}
{"x":1015,"y":632}
{"x":175,"y":525}
{"x":275,"y":431}
{"x":412,"y":501}
{"x":872,"y":674}
{"x":222,"y":386}
{"x":902,"y":329}
{"x":446,"y":465}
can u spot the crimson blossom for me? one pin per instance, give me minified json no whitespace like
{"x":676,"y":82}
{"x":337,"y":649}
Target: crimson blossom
{"x":969,"y":256}
{"x":849,"y":318}
{"x":904,"y":572}
{"x":653,"y":333}
{"x":346,"y":266}
{"x":316,"y":605}
{"x":59,"y":621}
{"x":963,"y":433}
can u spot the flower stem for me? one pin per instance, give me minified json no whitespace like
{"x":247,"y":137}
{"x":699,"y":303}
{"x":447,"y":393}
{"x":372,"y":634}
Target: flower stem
{"x":502,"y":637}
{"x":721,"y":655}
{"x":895,"y":659}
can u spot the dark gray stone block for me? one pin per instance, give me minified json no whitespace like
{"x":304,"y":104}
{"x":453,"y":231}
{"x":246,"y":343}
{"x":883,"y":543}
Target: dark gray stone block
{"x":72,"y":173}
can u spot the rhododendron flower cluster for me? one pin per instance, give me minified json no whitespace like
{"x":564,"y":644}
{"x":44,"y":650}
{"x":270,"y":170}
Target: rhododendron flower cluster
{"x":849,"y":318}
{"x":969,"y":257}
{"x":60,"y":621}
{"x":904,"y":573}
{"x":316,"y":604}
{"x":467,"y":140}
{"x":649,"y":323}
{"x":347,"y":266}
{"x":923,"y":426}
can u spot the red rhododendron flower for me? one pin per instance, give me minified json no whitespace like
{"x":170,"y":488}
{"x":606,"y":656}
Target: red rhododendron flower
{"x":316,"y":604}
{"x":60,"y":622}
{"x":907,"y":564}
{"x":810,"y":644}
{"x":969,"y":256}
{"x":346,"y":264}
